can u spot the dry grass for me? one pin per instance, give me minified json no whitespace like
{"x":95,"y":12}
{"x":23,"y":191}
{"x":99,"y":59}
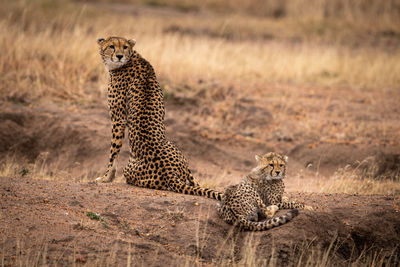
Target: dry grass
{"x":308,"y":255}
{"x":56,"y":56}
{"x":41,"y":168}
{"x":367,"y":11}
{"x":344,"y":181}
{"x":45,"y":62}
{"x":303,"y":255}
{"x":373,"y":175}
{"x":350,"y":184}
{"x":12,"y":166}
{"x":349,"y":181}
{"x":270,"y":62}
{"x":360,"y":180}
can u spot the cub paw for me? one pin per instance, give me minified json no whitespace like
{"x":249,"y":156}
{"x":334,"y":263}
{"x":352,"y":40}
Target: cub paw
{"x":285,"y":199}
{"x":308,"y":207}
{"x":271,"y":210}
{"x":218,"y":207}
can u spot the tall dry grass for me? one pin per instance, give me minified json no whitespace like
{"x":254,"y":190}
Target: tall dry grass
{"x":367,"y":11}
{"x":51,"y":52}
{"x":305,"y":254}
{"x":13,"y":166}
{"x":355,"y":180}
{"x":42,"y":61}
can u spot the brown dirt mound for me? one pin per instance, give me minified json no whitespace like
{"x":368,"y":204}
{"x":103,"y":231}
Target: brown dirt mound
{"x":28,"y":133}
{"x":160,"y":228}
{"x":381,"y":166}
{"x":70,"y":140}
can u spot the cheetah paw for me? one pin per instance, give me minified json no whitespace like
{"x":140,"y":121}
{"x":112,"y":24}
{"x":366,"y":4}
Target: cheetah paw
{"x":271,"y":210}
{"x":108,"y":178}
{"x":308,"y":207}
{"x":285,"y":199}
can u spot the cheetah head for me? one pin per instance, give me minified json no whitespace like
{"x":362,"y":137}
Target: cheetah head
{"x":115,"y":51}
{"x":271,"y":166}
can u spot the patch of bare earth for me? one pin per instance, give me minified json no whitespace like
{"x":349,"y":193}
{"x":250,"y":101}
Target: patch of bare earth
{"x":163,"y":228}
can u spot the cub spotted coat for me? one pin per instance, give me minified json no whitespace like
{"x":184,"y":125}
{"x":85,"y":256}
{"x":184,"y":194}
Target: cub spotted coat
{"x":259,"y":195}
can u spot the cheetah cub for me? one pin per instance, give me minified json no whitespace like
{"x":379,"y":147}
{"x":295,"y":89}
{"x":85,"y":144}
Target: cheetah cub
{"x":259,"y":195}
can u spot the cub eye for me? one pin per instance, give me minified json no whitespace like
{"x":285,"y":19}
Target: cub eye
{"x":112,"y":46}
{"x":281,"y":165}
{"x":125,"y":47}
{"x":271,"y":165}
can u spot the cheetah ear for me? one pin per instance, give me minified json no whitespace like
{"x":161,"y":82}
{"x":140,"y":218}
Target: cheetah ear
{"x":132,"y":42}
{"x":258,"y":158}
{"x":286,"y":158}
{"x":100,"y":40}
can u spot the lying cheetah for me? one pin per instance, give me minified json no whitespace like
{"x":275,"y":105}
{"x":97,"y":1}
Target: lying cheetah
{"x":135,"y":100}
{"x":259,"y":195}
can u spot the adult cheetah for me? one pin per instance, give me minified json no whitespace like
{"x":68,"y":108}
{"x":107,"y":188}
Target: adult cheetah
{"x":135,"y":101}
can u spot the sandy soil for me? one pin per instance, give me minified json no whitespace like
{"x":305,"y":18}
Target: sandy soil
{"x":163,"y":228}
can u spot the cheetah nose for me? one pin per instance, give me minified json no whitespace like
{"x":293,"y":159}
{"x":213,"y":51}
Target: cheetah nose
{"x":119,"y":57}
{"x":277,"y":172}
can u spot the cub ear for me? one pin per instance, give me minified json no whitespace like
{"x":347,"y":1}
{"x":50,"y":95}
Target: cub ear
{"x":132,"y":42}
{"x":286,"y":158}
{"x":258,"y":158}
{"x":100,"y":40}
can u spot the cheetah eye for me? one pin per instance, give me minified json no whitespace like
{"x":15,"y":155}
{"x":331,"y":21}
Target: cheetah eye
{"x":125,"y":47}
{"x":281,"y":165}
{"x":271,"y":165}
{"x":112,"y":46}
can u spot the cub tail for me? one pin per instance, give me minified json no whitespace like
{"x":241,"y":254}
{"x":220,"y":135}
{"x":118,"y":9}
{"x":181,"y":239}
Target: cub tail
{"x":267,"y":224}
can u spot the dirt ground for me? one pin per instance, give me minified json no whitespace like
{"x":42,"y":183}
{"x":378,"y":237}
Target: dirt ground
{"x":155,"y":228}
{"x":61,"y":149}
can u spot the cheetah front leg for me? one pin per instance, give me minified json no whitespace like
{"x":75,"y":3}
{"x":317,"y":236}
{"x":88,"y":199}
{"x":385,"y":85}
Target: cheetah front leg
{"x":118,"y":132}
{"x":118,"y":115}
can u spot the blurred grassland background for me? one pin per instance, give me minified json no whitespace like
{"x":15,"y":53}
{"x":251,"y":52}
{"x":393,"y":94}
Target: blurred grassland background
{"x":48,"y":45}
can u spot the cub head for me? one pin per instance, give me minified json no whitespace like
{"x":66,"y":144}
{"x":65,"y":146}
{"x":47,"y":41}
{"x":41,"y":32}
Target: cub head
{"x":271,"y":166}
{"x":115,"y":51}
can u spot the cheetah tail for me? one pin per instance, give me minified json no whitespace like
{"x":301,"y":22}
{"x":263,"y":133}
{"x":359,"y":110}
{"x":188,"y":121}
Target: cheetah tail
{"x":201,"y":191}
{"x":267,"y":224}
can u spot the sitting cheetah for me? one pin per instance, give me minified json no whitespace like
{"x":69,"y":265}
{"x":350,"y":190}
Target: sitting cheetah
{"x":259,"y":195}
{"x":135,"y":100}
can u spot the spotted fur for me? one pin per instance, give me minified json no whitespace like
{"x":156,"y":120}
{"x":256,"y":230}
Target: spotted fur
{"x":259,"y":195}
{"x":135,"y":101}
